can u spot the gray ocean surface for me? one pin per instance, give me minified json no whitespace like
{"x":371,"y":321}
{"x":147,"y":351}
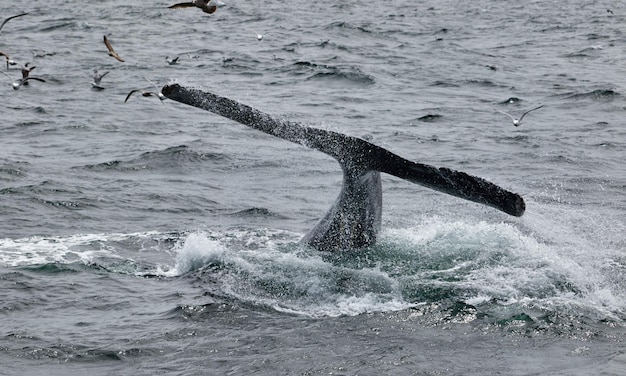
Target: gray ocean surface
{"x":151,"y":237}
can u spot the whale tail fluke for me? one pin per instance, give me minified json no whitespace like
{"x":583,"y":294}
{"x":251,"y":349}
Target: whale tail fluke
{"x":354,"y":220}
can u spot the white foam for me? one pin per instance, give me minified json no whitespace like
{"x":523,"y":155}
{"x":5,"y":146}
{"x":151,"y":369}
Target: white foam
{"x":42,"y":250}
{"x":349,"y":305}
{"x":551,"y":267}
{"x":286,"y":278}
{"x":39,"y":250}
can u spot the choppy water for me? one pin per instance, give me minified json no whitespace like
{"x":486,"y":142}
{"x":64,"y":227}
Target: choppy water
{"x":144,"y":238}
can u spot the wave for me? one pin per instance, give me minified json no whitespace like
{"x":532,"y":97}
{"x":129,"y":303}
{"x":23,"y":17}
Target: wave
{"x":495,"y":269}
{"x":172,"y":157}
{"x":430,"y":118}
{"x":287,"y":278}
{"x":333,"y":73}
{"x":12,"y":170}
{"x":451,"y":270}
{"x":598,"y":94}
{"x":51,"y":193}
{"x":347,"y":26}
{"x":114,"y":252}
{"x":257,"y":212}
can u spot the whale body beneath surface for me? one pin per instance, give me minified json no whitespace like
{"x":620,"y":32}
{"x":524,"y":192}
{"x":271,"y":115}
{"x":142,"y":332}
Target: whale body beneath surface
{"x":355,"y":219}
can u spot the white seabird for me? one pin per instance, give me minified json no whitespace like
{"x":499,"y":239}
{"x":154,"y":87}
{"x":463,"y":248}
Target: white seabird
{"x":22,"y":81}
{"x":518,"y":122}
{"x":97,"y":78}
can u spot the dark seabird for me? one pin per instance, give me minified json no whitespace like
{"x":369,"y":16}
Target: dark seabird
{"x":97,"y":78}
{"x":22,"y":81}
{"x":518,"y":122}
{"x":111,"y":51}
{"x":145,"y":93}
{"x":172,"y":61}
{"x":26,"y":69}
{"x":10,"y":18}
{"x":206,"y":6}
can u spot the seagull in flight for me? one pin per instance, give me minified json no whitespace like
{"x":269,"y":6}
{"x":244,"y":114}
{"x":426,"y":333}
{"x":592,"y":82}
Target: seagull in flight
{"x":145,"y":93}
{"x":111,"y":51}
{"x":206,"y":6}
{"x":518,"y":122}
{"x":22,"y":81}
{"x":97,"y":78}
{"x":9,"y":19}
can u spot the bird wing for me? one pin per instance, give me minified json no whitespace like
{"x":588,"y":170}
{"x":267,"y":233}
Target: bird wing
{"x":7,"y":75}
{"x":507,"y":114}
{"x":524,"y":114}
{"x":111,"y":51}
{"x":182,"y":5}
{"x":10,"y":18}
{"x":98,"y":77}
{"x":153,"y":84}
{"x":26,"y":70}
{"x":33,"y":78}
{"x":131,"y":93}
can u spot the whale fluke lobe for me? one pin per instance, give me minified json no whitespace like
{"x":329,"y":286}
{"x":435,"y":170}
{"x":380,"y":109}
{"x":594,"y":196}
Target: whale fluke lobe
{"x":455,"y":183}
{"x":354,"y":221}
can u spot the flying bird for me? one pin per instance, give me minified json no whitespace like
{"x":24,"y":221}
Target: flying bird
{"x":145,"y":93}
{"x":22,"y":81}
{"x":518,"y":122}
{"x":9,"y":19}
{"x":26,"y":69}
{"x":206,"y":6}
{"x":111,"y":51}
{"x":97,"y":78}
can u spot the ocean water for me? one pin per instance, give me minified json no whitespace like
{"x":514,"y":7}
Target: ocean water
{"x":150,"y":237}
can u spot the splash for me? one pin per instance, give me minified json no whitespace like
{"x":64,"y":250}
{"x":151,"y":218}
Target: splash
{"x":502,"y":270}
{"x":284,"y":276}
{"x":501,"y":265}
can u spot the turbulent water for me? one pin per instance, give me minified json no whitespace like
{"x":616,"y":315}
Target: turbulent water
{"x":150,"y":237}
